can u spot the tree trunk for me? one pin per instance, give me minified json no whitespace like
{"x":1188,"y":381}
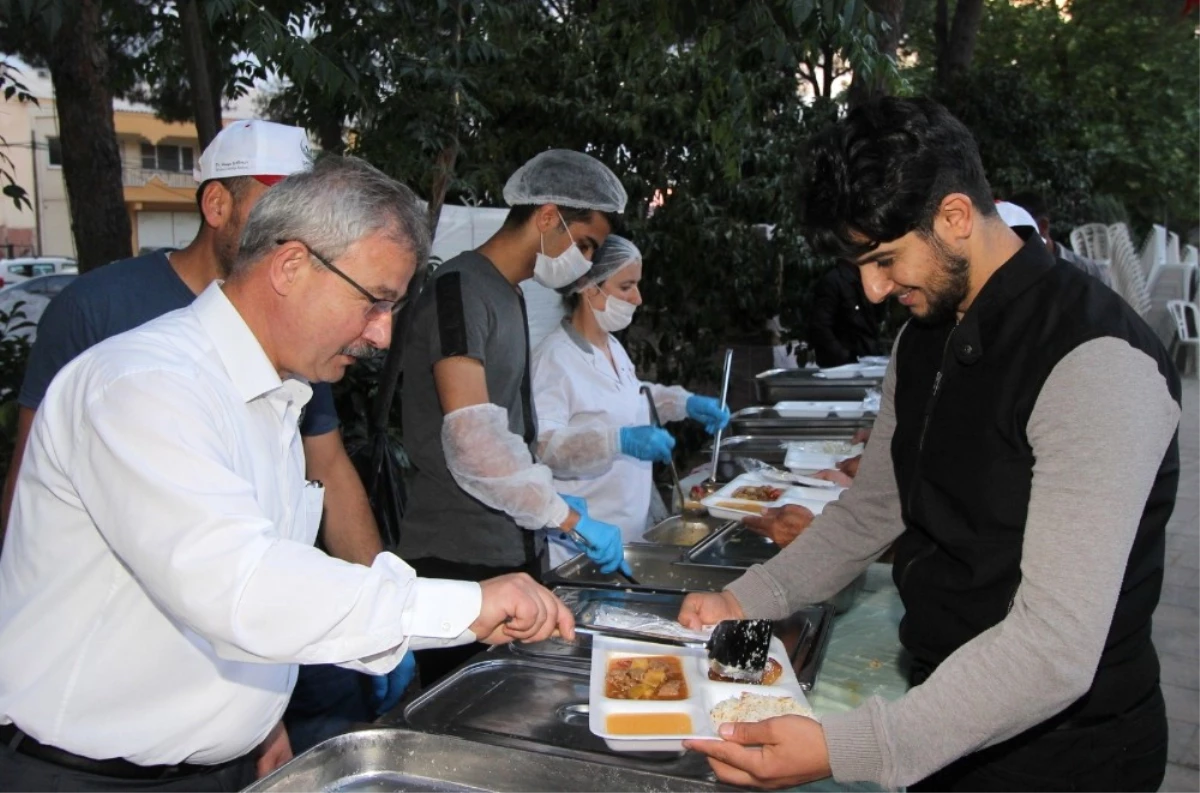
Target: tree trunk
{"x":329,"y":128}
{"x":206,"y":105}
{"x":91,"y":159}
{"x":864,"y":89}
{"x":443,"y":168}
{"x":958,"y":46}
{"x":828,"y":65}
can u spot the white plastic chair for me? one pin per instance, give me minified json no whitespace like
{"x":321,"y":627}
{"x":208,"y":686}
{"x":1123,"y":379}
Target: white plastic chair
{"x":1154,"y":251}
{"x":1187,"y":329}
{"x":1128,"y":279}
{"x":1191,"y":261}
{"x":1173,"y":248}
{"x":1092,"y":240}
{"x":1171,"y":282}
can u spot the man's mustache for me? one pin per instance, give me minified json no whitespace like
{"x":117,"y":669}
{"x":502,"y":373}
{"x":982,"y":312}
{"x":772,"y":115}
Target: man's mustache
{"x":358,"y":351}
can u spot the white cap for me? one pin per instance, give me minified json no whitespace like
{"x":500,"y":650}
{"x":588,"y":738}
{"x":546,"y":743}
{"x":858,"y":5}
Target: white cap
{"x":1014,"y":215}
{"x":262,"y":149}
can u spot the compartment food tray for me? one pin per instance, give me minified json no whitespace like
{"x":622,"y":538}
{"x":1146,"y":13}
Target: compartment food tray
{"x":703,"y":693}
{"x":723,"y":504}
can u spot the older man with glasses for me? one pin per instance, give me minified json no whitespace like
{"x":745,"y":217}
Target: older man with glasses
{"x":159,"y":585}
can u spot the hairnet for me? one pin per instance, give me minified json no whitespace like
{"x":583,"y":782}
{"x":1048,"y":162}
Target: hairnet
{"x":615,"y":253}
{"x":566,"y":178}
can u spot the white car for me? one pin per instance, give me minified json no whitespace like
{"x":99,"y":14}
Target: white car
{"x":14,"y":271}
{"x":34,"y":294}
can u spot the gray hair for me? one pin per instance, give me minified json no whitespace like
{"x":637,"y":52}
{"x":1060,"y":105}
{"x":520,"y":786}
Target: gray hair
{"x":339,"y":201}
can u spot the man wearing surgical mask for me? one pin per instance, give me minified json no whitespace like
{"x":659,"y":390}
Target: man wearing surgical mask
{"x":594,"y":428}
{"x":478,"y":497}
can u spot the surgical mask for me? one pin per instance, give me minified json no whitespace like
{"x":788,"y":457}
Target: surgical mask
{"x":554,"y":272}
{"x":616,"y":315}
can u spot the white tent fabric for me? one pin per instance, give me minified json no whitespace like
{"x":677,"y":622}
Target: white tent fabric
{"x":464,"y":228}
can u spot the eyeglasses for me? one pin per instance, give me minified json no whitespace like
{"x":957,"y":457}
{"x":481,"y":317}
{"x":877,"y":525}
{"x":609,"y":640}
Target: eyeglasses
{"x":378,"y":306}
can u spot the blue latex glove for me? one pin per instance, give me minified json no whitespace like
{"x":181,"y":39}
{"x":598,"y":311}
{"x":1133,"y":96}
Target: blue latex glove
{"x":576,"y":503}
{"x":389,"y":688}
{"x":647,"y":443}
{"x":603,"y":544}
{"x":708,"y":412}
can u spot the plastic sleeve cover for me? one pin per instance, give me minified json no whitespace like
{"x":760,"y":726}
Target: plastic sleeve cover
{"x":494,"y":465}
{"x":574,"y":452}
{"x":670,"y":401}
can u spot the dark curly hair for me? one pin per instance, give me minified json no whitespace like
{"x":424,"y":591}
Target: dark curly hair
{"x":883,"y":171}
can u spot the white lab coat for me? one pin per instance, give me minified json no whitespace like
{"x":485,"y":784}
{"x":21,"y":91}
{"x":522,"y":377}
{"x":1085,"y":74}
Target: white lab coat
{"x":574,"y":386}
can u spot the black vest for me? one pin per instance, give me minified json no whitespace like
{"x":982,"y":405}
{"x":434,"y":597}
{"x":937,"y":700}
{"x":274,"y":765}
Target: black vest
{"x":964,"y":466}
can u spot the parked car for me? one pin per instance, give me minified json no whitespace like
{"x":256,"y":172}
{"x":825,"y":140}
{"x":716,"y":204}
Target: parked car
{"x":34,"y":294}
{"x":14,"y":271}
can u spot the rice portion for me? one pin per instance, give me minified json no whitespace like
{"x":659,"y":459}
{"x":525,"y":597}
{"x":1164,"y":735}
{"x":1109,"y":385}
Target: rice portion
{"x":756,"y":707}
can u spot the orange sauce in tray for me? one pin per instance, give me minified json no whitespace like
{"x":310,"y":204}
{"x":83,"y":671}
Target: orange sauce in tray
{"x":649,"y":724}
{"x":653,"y":677}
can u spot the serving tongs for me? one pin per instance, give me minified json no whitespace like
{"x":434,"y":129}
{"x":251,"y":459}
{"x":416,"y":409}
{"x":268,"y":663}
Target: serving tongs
{"x":579,"y":540}
{"x":689,"y":510}
{"x":711,"y":484}
{"x":737,"y":649}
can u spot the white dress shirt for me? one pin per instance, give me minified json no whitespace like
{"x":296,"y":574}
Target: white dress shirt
{"x":159,"y":582}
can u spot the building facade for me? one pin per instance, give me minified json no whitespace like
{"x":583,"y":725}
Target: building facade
{"x":156,"y":174}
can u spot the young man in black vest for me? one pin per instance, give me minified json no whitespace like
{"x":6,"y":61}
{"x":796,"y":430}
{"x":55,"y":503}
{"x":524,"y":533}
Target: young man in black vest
{"x":1025,"y":462}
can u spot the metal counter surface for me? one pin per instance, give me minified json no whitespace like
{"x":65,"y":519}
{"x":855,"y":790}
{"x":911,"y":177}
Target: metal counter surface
{"x":395,"y":759}
{"x":863,"y":659}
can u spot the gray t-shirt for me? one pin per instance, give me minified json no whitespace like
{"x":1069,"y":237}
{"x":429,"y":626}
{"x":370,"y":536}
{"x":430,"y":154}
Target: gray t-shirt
{"x":468,"y":309}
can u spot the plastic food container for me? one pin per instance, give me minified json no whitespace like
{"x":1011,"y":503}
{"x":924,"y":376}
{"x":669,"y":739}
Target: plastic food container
{"x":818,"y":455}
{"x":850,"y":370}
{"x":703,"y":694}
{"x":819,"y":410}
{"x":723,"y":504}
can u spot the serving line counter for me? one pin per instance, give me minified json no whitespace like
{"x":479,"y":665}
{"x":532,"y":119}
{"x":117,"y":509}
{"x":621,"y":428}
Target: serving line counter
{"x":516,"y":717}
{"x":784,"y":385}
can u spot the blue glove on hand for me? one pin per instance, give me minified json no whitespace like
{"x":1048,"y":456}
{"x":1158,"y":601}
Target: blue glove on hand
{"x":576,"y":503}
{"x":603,"y":544}
{"x":708,"y":412}
{"x":389,"y":688}
{"x":647,"y":443}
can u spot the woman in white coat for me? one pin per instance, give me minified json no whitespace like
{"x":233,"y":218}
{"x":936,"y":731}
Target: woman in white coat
{"x":594,"y":427}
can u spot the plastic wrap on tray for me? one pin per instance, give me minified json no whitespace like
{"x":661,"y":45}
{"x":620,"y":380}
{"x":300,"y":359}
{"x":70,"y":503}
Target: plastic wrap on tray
{"x":610,"y":616}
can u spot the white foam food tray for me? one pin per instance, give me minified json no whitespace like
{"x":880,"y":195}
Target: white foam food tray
{"x":703,"y":694}
{"x":722,"y":504}
{"x":818,"y":455}
{"x":819,"y":410}
{"x":851,"y":370}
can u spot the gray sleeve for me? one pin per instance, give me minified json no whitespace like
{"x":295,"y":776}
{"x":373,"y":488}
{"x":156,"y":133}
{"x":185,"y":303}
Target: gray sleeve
{"x":1099,"y":430}
{"x":843,"y":540}
{"x":462,"y":319}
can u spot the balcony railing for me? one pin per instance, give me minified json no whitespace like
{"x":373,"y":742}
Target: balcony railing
{"x":139,"y":177}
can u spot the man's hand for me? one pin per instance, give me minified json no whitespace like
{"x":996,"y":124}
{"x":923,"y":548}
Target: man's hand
{"x":780,"y":524}
{"x":709,"y":608}
{"x":835,"y":476}
{"x":780,"y":752}
{"x":274,"y":751}
{"x":861,"y":436}
{"x":850,"y":467}
{"x":517,"y":607}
